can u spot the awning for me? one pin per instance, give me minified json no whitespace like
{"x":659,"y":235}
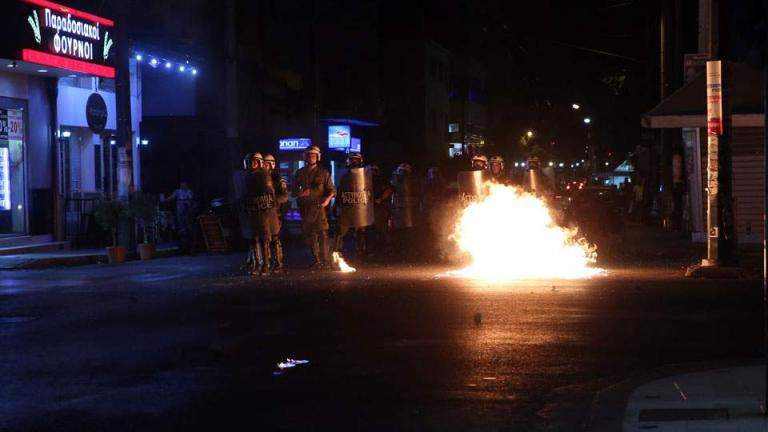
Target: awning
{"x":687,"y":107}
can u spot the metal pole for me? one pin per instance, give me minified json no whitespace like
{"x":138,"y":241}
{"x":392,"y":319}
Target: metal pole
{"x":765,"y":233}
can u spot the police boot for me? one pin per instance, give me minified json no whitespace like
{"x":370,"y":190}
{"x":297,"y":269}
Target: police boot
{"x":324,"y":252}
{"x":248,"y":265}
{"x":267,"y":258}
{"x":360,"y":244}
{"x":279,"y":263}
{"x":338,"y":242}
{"x":317,"y":260}
{"x":257,"y":259}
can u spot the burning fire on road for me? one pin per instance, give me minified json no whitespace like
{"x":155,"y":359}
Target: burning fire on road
{"x":510,"y":234}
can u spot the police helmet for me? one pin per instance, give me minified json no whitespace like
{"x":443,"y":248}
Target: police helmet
{"x":497,"y":159}
{"x":247,"y":160}
{"x":313,"y":149}
{"x":354,"y":156}
{"x":269,"y":159}
{"x":480,"y":158}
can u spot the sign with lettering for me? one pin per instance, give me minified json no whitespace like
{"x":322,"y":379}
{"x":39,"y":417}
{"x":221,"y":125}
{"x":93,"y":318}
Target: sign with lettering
{"x":50,"y":34}
{"x":295,"y":143}
{"x":339,"y":137}
{"x":96,"y":112}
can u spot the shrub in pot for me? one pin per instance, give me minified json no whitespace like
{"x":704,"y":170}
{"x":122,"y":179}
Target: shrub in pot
{"x":144,"y":208}
{"x":109,"y":214}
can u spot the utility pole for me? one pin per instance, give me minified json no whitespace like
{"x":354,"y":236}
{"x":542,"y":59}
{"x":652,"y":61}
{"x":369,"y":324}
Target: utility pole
{"x":124,"y":128}
{"x":721,"y":236}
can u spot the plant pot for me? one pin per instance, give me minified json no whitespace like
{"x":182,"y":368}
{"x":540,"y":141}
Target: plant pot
{"x":146,"y":251}
{"x":116,"y":254}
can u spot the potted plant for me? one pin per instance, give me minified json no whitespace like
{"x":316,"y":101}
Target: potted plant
{"x":143,"y":207}
{"x":109,"y":214}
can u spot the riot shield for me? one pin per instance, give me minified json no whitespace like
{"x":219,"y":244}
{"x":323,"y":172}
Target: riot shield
{"x":405,"y":201}
{"x":355,"y":196}
{"x":261,"y":191}
{"x":537,"y":183}
{"x":471,"y":186}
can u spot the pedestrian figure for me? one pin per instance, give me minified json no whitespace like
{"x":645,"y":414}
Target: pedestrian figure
{"x":183,"y":198}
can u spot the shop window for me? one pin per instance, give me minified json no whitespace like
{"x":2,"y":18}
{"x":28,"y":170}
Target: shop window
{"x":13,"y":185}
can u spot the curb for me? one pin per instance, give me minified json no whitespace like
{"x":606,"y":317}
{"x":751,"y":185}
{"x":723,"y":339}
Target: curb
{"x":31,"y":263}
{"x":715,"y":272}
{"x":609,"y":404}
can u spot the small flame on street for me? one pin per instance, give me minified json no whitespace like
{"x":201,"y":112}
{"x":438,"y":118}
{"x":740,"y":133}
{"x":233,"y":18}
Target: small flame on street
{"x":510,"y":234}
{"x":341,"y":264}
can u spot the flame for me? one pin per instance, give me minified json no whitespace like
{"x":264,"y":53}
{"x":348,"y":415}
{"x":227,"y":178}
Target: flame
{"x":341,"y":264}
{"x":510,"y":234}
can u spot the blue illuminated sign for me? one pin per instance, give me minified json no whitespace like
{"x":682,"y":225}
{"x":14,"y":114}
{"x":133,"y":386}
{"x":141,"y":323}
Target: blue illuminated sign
{"x":339,"y":137}
{"x":295,"y":143}
{"x":354,"y":145}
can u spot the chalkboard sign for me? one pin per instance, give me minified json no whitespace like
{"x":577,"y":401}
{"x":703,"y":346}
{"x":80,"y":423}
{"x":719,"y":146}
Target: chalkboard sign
{"x":213,"y":234}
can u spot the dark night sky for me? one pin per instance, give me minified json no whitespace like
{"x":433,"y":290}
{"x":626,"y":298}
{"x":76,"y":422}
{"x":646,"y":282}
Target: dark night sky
{"x":541,"y":55}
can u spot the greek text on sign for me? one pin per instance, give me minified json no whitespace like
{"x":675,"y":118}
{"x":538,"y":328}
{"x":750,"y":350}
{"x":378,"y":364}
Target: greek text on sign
{"x":355,"y":197}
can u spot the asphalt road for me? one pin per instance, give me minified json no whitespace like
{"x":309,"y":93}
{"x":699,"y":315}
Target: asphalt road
{"x":187,"y":344}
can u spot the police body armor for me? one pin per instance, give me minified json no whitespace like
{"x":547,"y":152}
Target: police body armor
{"x":261,"y":204}
{"x":471,"y":185}
{"x":355,"y":196}
{"x":405,"y":201}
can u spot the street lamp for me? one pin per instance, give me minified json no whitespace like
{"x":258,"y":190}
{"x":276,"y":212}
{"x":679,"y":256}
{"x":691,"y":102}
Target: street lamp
{"x":576,"y":106}
{"x":529,"y":134}
{"x":587,"y":120}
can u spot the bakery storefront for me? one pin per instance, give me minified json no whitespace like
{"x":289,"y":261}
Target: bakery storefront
{"x":47,"y":51}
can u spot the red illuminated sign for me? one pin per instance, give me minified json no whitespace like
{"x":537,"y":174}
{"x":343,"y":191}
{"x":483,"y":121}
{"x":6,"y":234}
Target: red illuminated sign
{"x":52,"y":60}
{"x":68,"y":10}
{"x":47,"y":33}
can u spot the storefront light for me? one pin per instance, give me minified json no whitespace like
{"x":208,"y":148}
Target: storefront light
{"x":112,"y":142}
{"x":181,"y":68}
{"x":194,"y":71}
{"x":168,"y":65}
{"x":139,"y":57}
{"x":66,"y":134}
{"x":153,"y":62}
{"x":145,"y":142}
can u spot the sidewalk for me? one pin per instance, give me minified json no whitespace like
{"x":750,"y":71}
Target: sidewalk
{"x":645,"y":244}
{"x":68,"y":258}
{"x":726,"y":399}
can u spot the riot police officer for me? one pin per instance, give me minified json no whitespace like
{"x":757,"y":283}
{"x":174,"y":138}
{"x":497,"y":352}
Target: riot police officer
{"x":405,"y":206}
{"x":382,"y":207}
{"x":262,"y":205}
{"x":354,"y":201}
{"x":313,"y":188}
{"x":496,"y":170}
{"x":280,"y":186}
{"x":242,"y":204}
